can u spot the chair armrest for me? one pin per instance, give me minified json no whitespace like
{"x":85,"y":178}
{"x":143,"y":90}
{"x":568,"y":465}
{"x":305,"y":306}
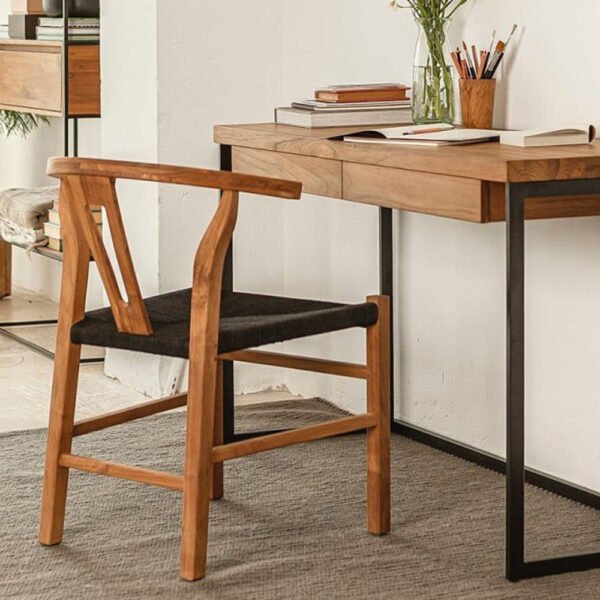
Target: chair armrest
{"x":222,"y":180}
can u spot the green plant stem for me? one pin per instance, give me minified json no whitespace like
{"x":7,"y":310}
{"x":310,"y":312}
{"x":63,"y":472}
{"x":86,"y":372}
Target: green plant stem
{"x":17,"y":123}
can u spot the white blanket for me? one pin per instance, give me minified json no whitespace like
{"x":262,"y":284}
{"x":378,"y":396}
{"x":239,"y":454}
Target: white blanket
{"x":15,"y":234}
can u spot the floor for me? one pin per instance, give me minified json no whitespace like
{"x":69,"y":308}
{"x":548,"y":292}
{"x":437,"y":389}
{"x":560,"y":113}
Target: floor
{"x":26,"y":376}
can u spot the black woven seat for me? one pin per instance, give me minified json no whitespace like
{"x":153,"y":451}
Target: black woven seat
{"x":247,"y":321}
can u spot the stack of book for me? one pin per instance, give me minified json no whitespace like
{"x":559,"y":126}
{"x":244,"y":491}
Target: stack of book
{"x":3,"y":31}
{"x":52,"y":228}
{"x":350,"y":106}
{"x":80,"y":30}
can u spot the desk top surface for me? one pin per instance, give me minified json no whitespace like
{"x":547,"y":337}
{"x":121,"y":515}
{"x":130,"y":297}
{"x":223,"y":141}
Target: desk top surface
{"x":485,"y":162}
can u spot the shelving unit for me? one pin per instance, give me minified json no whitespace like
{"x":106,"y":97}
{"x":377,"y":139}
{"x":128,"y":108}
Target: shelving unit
{"x":53,"y":79}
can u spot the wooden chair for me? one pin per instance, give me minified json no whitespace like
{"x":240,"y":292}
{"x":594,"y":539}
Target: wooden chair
{"x":206,"y":325}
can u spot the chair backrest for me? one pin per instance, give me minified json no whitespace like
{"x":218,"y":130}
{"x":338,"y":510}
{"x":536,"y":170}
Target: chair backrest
{"x":87,"y":183}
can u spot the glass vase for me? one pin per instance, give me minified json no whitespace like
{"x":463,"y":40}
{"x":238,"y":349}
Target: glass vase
{"x":433,"y":85}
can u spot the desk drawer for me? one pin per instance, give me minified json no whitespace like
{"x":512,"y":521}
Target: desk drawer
{"x":319,"y":176}
{"x":426,"y":193}
{"x":31,"y":78}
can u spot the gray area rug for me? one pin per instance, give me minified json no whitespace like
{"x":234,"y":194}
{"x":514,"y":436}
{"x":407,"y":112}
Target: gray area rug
{"x":292,"y":524}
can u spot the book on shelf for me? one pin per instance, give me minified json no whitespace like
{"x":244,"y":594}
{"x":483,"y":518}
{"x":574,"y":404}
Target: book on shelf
{"x":73,"y":22}
{"x":355,"y":118}
{"x":72,"y":30}
{"x":53,"y":232}
{"x":72,"y":38}
{"x":536,"y":138}
{"x":55,"y":244}
{"x":424,"y":135}
{"x":379,"y":92}
{"x":27,"y":7}
{"x":50,"y":28}
{"x":54,"y":216}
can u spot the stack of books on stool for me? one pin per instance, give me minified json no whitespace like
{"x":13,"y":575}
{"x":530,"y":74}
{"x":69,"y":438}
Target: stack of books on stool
{"x":350,"y":106}
{"x":53,"y":231}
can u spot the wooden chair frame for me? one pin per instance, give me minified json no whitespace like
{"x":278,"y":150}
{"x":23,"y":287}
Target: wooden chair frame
{"x":5,"y":269}
{"x":86,"y":182}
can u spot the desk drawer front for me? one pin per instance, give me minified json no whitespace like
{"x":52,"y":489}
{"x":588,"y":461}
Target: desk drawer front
{"x":319,"y":176}
{"x":31,"y":80}
{"x":84,"y":80}
{"x":427,"y":193}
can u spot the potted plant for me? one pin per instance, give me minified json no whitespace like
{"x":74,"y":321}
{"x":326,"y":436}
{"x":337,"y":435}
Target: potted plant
{"x":17,"y":123}
{"x":433,"y":87}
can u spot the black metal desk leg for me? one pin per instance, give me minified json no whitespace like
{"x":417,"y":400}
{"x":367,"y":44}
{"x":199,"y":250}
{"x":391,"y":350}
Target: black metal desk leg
{"x":228,"y":394}
{"x":386,"y":281}
{"x":515,"y":386}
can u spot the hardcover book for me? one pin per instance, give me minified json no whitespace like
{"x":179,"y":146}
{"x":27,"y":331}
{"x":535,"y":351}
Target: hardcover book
{"x":363,"y":93}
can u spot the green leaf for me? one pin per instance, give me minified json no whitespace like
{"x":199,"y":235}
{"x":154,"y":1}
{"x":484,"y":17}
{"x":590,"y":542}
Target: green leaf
{"x":17,"y":123}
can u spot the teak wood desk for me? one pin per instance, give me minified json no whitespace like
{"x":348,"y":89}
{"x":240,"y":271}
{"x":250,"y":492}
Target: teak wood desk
{"x":480,"y":183}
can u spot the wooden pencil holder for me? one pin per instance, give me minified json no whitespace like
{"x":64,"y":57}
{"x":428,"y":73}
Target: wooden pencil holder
{"x":477,"y":98}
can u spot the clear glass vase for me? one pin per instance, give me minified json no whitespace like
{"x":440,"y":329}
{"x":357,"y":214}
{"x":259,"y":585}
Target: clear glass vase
{"x":433,"y":85}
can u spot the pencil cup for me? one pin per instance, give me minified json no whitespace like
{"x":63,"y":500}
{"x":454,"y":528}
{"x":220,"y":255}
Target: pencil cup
{"x":477,"y":98}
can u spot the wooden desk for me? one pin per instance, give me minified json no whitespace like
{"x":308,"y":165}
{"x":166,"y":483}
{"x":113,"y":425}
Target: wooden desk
{"x":481,"y":183}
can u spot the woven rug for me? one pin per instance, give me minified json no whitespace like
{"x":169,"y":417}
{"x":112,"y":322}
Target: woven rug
{"x":292,"y":524}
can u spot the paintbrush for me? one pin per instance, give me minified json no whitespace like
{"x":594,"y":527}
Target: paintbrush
{"x":492,"y":64}
{"x":492,"y":43}
{"x":472,"y":73}
{"x":515,"y":27}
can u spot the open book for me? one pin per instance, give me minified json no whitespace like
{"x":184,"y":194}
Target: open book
{"x":566,"y":136}
{"x":424,"y":135}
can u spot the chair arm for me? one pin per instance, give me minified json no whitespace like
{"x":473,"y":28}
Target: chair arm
{"x":222,"y":180}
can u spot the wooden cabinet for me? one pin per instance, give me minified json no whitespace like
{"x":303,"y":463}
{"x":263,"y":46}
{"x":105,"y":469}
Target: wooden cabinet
{"x":31,"y":78}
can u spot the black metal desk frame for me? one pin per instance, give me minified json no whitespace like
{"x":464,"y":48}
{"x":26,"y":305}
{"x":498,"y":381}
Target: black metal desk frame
{"x":517,"y":568}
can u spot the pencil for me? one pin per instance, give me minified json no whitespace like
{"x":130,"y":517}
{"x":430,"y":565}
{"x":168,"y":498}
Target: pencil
{"x":457,"y":65}
{"x":466,"y":69}
{"x":482,"y":64}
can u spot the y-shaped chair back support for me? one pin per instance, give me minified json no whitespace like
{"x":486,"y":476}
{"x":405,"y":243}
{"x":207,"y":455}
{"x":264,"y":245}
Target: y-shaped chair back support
{"x":89,"y":183}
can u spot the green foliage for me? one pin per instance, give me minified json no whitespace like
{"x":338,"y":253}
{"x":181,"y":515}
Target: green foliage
{"x":430,"y":9}
{"x":17,"y":123}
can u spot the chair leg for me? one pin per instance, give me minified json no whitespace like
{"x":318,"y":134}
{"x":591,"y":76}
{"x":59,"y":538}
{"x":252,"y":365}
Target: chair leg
{"x":217,"y":490}
{"x":378,"y":403}
{"x":198,"y":467}
{"x":60,"y":435}
{"x":5,"y":269}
